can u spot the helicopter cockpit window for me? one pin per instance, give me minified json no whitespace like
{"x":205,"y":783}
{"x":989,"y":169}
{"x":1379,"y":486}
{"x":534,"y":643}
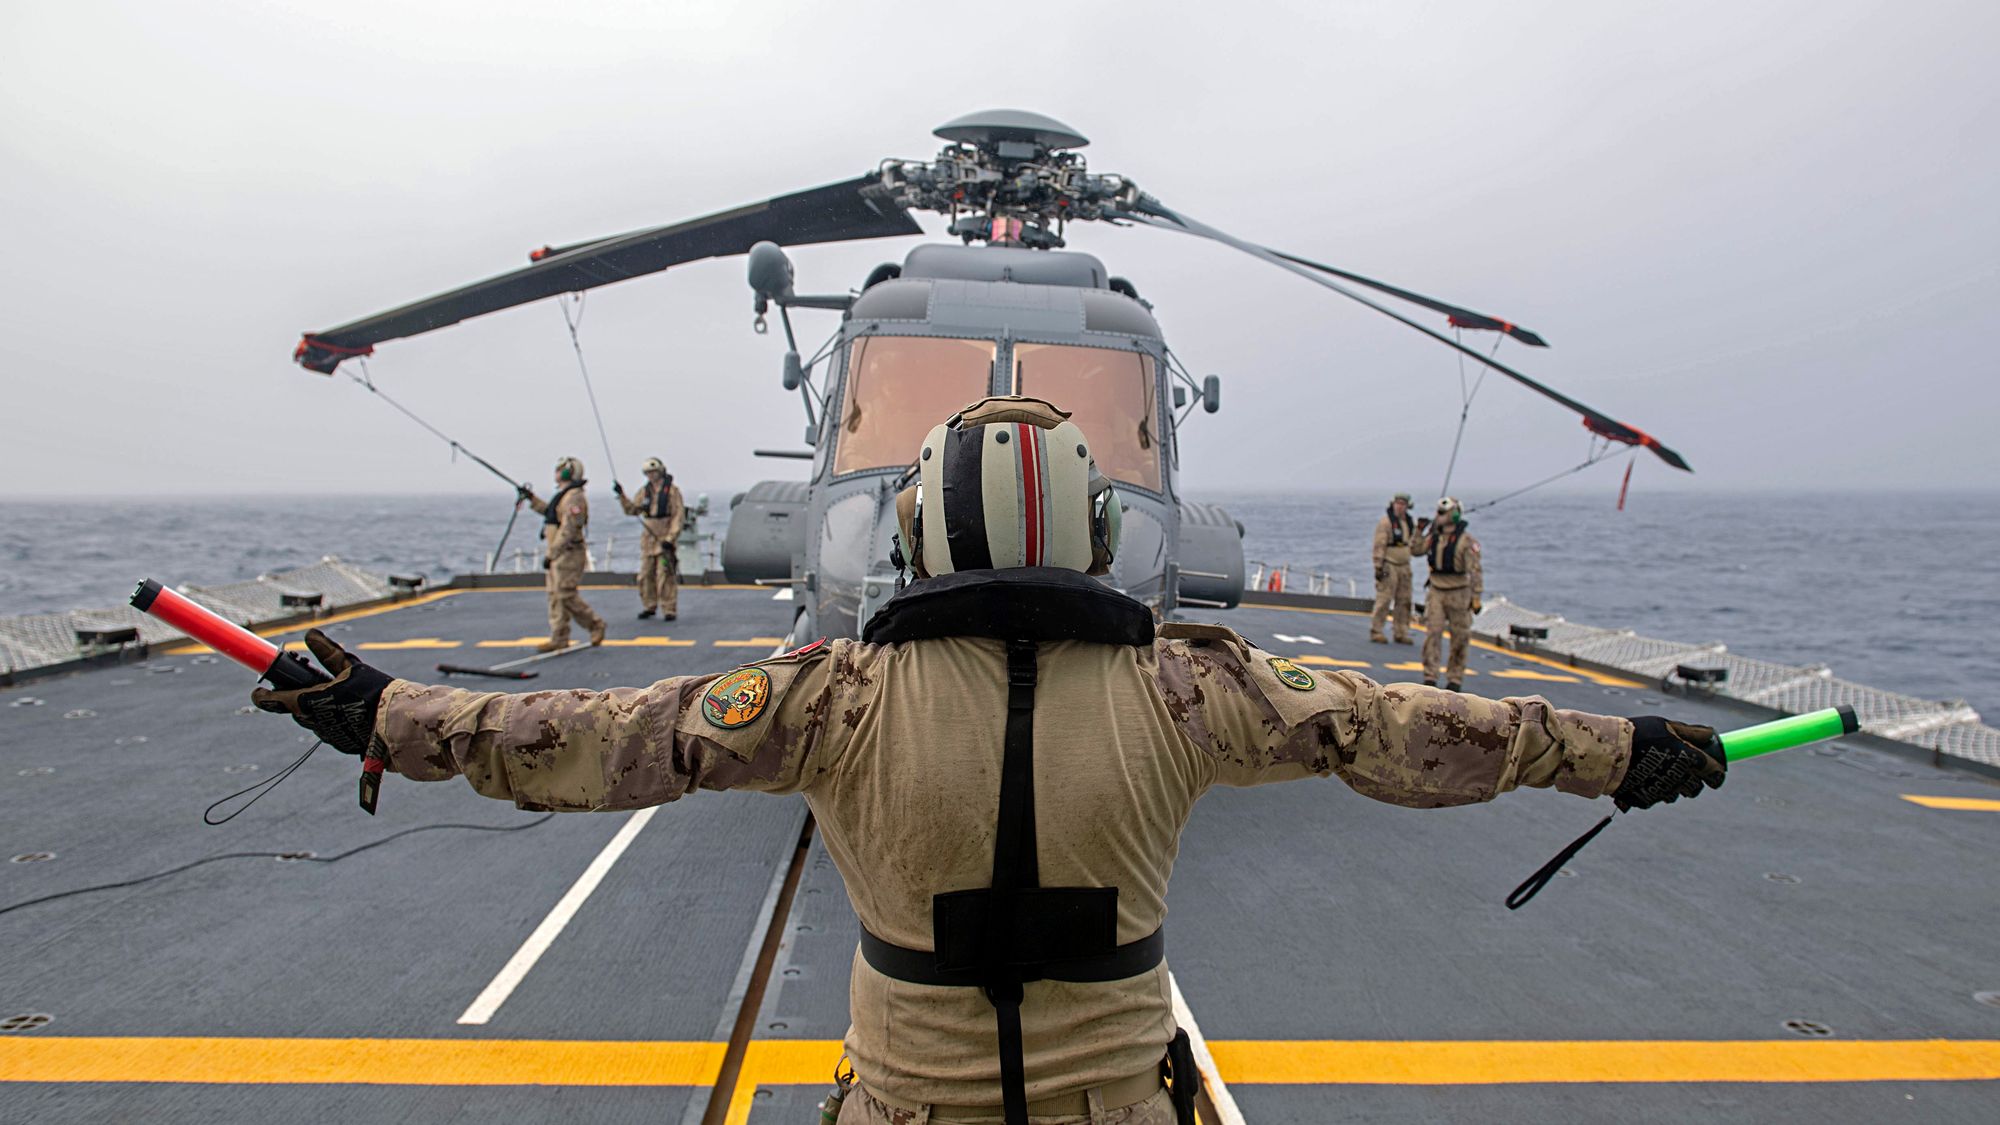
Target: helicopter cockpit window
{"x":897,"y":388}
{"x":1109,"y":394}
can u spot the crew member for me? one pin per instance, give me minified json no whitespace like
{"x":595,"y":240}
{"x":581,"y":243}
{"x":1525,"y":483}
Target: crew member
{"x":660,"y":513}
{"x":1395,"y":535}
{"x":565,"y":520}
{"x":1455,"y":583}
{"x":1001,"y":767}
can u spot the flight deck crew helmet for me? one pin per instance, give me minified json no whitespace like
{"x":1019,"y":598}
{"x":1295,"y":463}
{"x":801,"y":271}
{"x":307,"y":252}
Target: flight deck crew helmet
{"x":1449,"y":509}
{"x":569,"y":470}
{"x":1007,"y":482}
{"x":653,"y":465}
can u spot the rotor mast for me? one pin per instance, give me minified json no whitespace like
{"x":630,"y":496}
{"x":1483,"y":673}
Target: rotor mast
{"x":1009,"y":178}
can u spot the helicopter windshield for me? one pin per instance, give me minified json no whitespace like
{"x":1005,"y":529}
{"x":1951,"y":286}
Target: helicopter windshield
{"x":1109,"y":392}
{"x":898,"y":387}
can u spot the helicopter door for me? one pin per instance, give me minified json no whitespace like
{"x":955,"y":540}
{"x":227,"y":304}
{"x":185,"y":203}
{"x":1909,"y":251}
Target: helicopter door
{"x":1111,"y":394}
{"x":897,"y":388}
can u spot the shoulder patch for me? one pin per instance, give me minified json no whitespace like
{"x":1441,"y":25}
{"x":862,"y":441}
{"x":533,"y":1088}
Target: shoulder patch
{"x":737,"y":699}
{"x":1295,"y":677}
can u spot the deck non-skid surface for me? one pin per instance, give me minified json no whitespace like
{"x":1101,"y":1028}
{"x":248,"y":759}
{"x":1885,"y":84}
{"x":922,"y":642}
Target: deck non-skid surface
{"x":1347,"y":960}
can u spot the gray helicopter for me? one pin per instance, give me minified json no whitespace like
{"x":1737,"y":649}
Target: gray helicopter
{"x":1006,"y":310}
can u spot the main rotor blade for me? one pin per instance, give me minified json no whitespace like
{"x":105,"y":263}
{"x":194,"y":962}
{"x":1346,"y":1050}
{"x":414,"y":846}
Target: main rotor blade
{"x":850,"y":210}
{"x":1460,"y":318}
{"x":1152,"y":213}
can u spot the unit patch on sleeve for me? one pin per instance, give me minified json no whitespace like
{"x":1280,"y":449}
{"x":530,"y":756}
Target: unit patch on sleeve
{"x":1295,"y":677}
{"x":737,"y":699}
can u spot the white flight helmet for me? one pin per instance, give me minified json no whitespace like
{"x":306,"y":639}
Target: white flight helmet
{"x":1007,"y":482}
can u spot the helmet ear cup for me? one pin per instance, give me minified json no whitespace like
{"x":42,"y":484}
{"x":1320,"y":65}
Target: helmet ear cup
{"x":1107,"y":520}
{"x":909,"y":544}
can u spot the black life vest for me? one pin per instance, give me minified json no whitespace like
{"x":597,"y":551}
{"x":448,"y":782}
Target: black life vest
{"x":1400,"y":531}
{"x":999,"y":937}
{"x":553,"y":515}
{"x":658,"y":502}
{"x":1444,"y":552}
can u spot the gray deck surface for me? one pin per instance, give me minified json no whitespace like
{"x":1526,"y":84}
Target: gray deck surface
{"x":1298,"y":912}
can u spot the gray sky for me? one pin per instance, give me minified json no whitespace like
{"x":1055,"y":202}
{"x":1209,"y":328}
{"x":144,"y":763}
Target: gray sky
{"x":1764,"y":232}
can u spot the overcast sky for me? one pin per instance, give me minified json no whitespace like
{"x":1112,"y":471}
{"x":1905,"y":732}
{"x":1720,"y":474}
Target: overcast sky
{"x":1765,"y":232}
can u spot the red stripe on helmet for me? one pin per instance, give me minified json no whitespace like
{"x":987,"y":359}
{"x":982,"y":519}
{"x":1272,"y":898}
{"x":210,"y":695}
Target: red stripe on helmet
{"x":1031,"y":492}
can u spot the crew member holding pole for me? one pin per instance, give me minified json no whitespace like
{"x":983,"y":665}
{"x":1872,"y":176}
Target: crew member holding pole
{"x":660,"y":514}
{"x":566,"y":555}
{"x":1455,"y":582}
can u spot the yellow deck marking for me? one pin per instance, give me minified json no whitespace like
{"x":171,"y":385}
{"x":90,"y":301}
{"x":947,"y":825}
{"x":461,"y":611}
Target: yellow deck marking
{"x":1525,"y":674}
{"x":413,"y":642}
{"x":797,"y":1062}
{"x":519,"y":642}
{"x":372,"y":1062}
{"x":1417,"y":666}
{"x":1505,"y":1062}
{"x":1331,"y":662}
{"x":407,"y":603}
{"x":1962,"y":804}
{"x":648,"y":642}
{"x":753,"y":642}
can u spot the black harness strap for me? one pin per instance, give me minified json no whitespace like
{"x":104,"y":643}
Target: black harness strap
{"x":554,"y":513}
{"x":1016,"y":866}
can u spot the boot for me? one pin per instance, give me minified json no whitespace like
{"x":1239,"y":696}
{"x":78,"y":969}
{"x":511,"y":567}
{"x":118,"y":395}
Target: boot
{"x":1405,"y":640}
{"x":1430,"y":681}
{"x":1454,"y":685}
{"x":553,"y":645}
{"x":666,"y":617}
{"x":1377,"y":638}
{"x":645,"y":613}
{"x":597,"y":634}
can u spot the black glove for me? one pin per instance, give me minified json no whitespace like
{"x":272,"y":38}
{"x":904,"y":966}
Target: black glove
{"x":1381,"y":573}
{"x":342,"y":712}
{"x":618,"y":488}
{"x":523,"y":494}
{"x":547,"y":562}
{"x":1669,"y":761}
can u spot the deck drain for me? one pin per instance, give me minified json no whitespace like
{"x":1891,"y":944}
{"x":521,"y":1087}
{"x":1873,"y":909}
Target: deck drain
{"x":1566,"y":873}
{"x":32,"y":857}
{"x":204,"y":659}
{"x":1990,"y":999}
{"x":130,"y":740}
{"x":80,"y":713}
{"x":294,"y":857}
{"x":1780,"y":877}
{"x":247,"y":767}
{"x":164,"y":670}
{"x":26,"y":701}
{"x":1808,"y":1027}
{"x":246,"y":709}
{"x":35,"y":771}
{"x":778,"y":1025}
{"x":26,"y":1021}
{"x":1614,"y":691}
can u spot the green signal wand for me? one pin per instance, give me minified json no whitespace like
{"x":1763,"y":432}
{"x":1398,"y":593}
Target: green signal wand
{"x":1736,"y":745}
{"x":1783,"y":734}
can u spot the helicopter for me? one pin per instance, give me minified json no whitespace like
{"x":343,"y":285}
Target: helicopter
{"x":1006,"y":309}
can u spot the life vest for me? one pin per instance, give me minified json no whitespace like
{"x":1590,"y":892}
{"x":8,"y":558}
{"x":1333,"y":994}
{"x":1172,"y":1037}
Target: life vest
{"x":1401,"y":531}
{"x":1444,"y":552}
{"x":553,"y":515}
{"x":1000,"y":937}
{"x":658,"y":502}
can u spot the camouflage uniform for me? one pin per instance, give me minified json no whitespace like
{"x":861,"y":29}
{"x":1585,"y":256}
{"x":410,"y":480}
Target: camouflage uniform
{"x":660,"y":513}
{"x":563,"y":543}
{"x":897,"y":748}
{"x":1391,"y":551}
{"x":1455,"y":582}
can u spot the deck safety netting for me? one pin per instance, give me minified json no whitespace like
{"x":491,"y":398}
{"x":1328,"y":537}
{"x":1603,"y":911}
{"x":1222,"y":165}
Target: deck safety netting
{"x":1950,"y":727}
{"x":42,"y":639}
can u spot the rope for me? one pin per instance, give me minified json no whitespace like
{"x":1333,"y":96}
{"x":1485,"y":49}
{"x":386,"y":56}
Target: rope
{"x":1465,"y":403}
{"x":297,"y":856}
{"x":1609,"y":450}
{"x":366,"y":380}
{"x":576,"y":342}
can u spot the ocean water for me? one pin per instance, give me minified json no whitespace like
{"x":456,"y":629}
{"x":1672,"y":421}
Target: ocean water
{"x":1900,"y":591}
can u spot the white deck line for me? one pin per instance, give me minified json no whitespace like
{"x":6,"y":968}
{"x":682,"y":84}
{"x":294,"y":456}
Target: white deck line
{"x":518,"y":966}
{"x":1218,"y":1093}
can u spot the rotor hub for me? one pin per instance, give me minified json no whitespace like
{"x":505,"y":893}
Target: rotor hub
{"x":1007,"y":178}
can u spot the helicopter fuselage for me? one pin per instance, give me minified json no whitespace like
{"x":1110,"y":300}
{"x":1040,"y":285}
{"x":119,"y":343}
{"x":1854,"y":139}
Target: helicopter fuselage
{"x":956,"y":325}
